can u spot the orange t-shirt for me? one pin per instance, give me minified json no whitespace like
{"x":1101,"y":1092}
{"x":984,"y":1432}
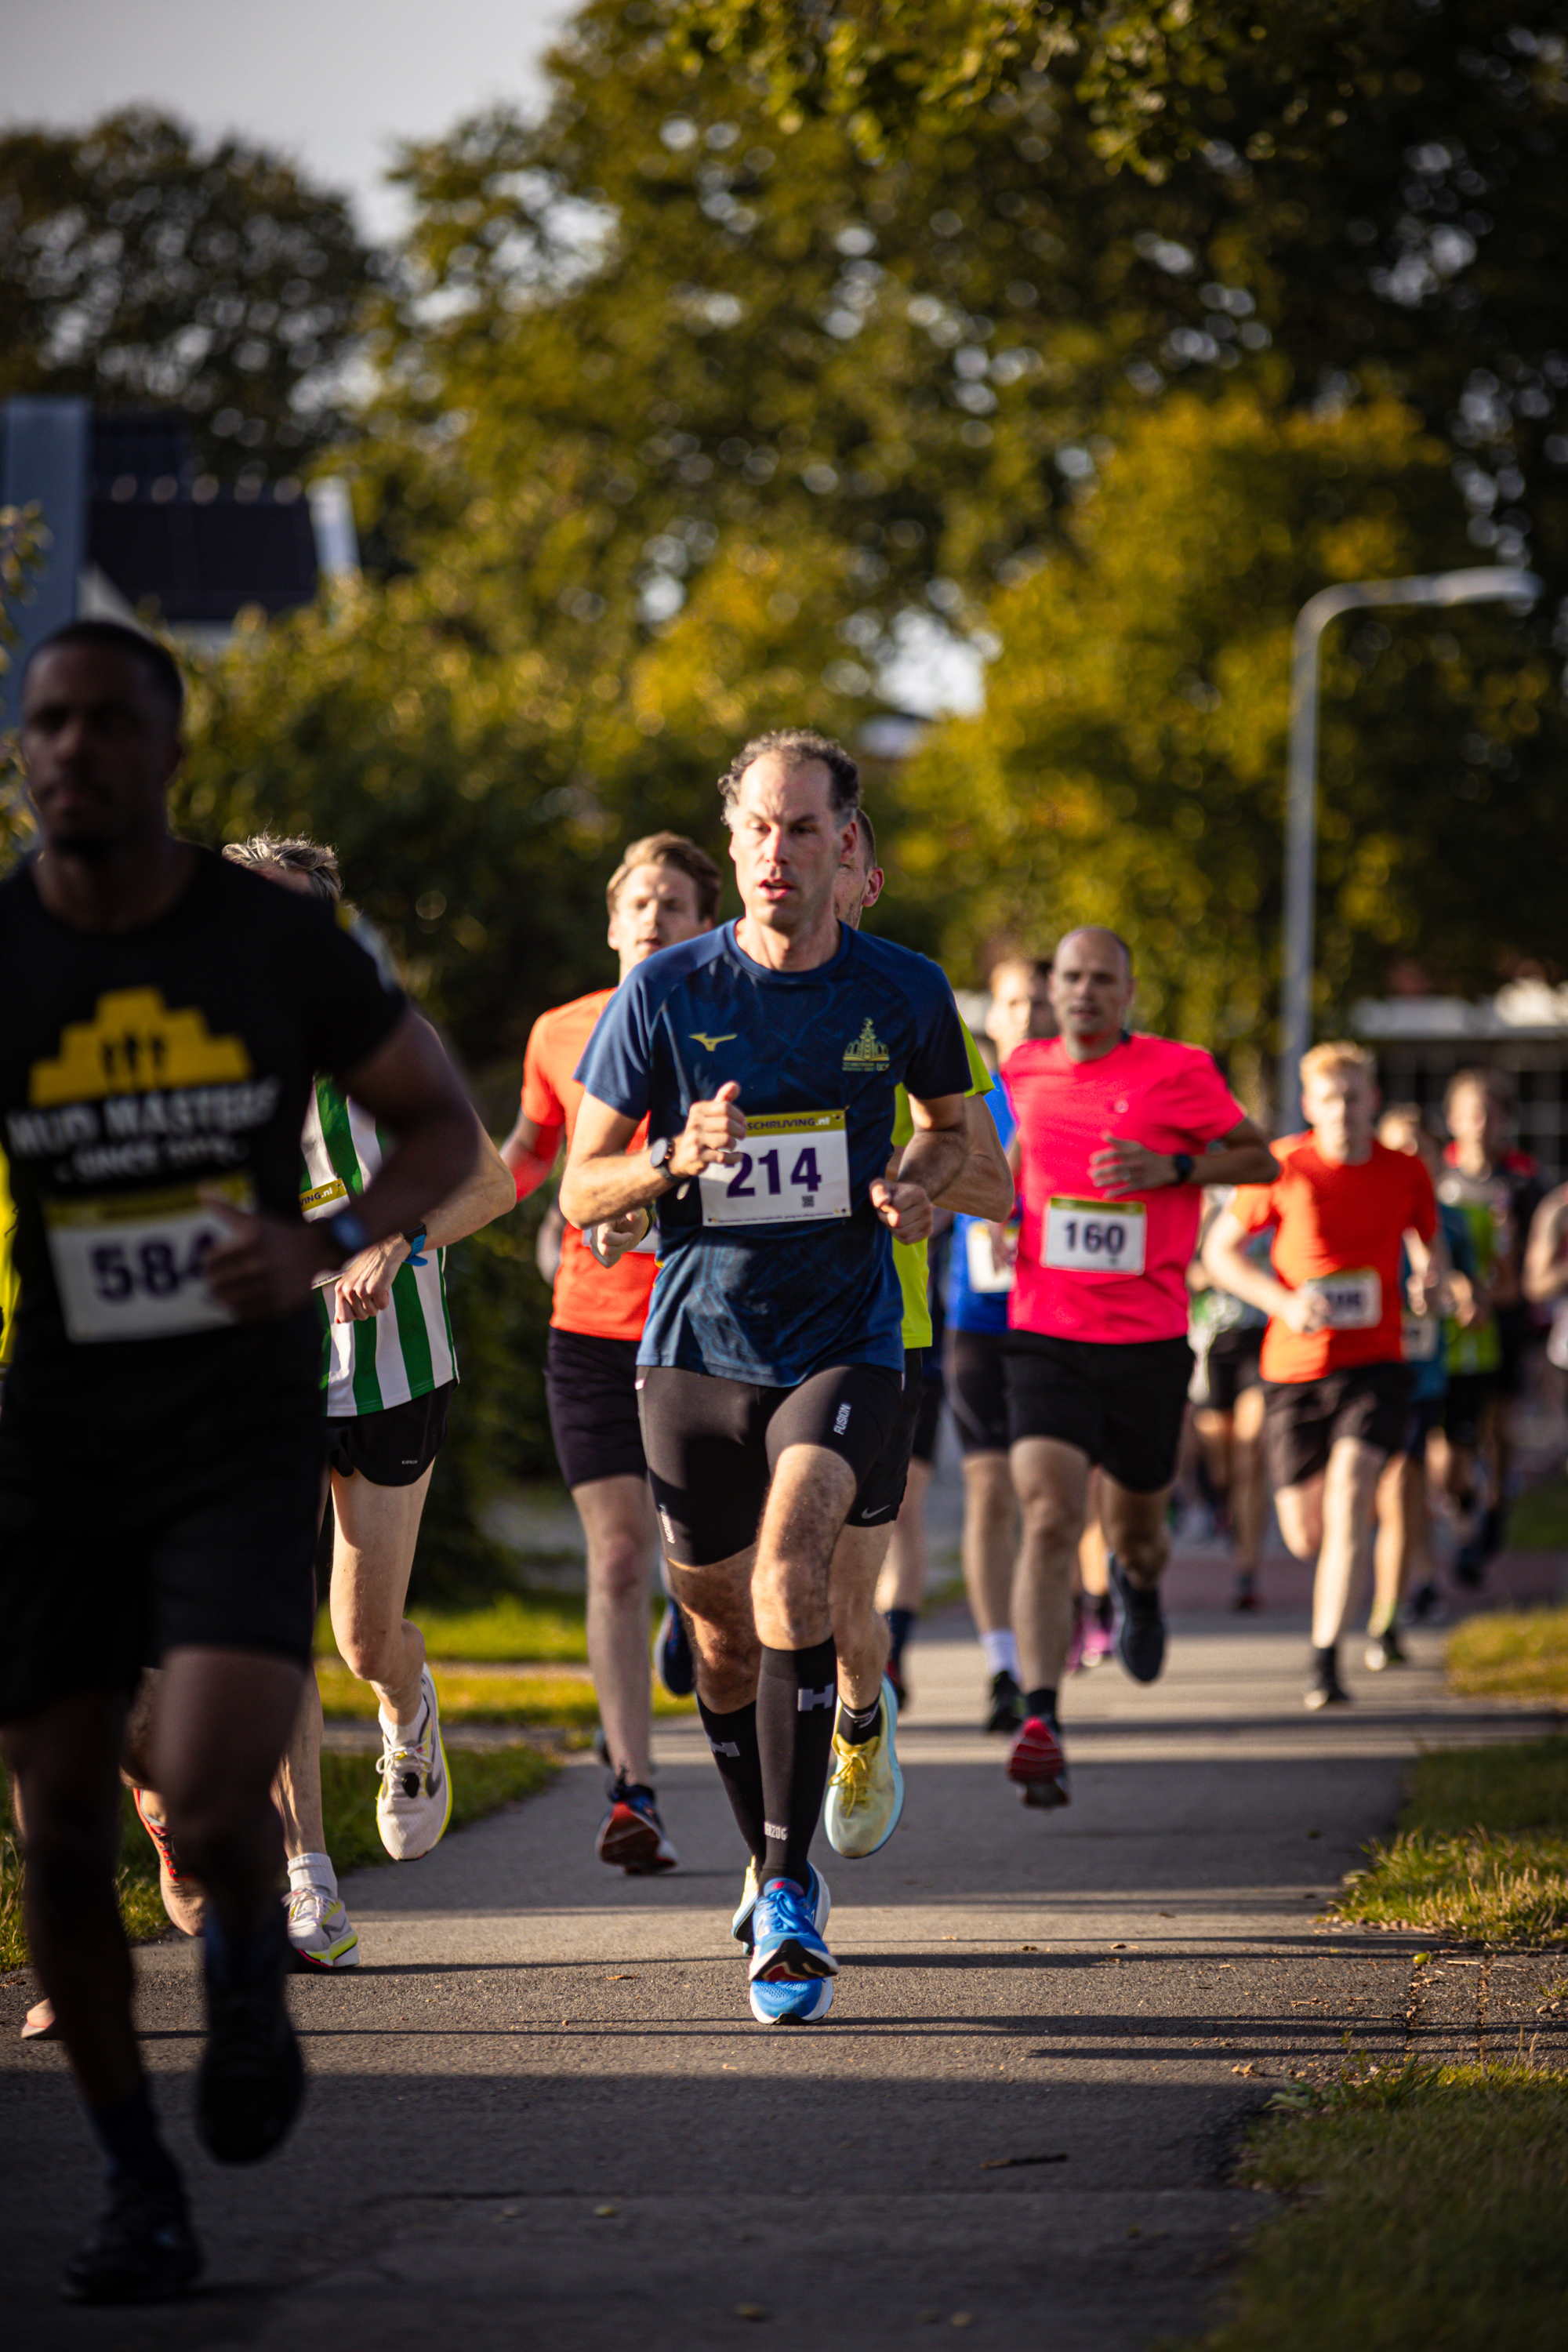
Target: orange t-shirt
{"x":1338,"y":1220}
{"x":607,"y":1303}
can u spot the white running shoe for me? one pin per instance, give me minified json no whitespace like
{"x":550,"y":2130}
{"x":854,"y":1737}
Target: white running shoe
{"x":866,"y":1794}
{"x":416,"y":1801}
{"x":319,"y":1930}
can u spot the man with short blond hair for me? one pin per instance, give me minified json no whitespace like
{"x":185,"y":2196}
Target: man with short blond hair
{"x":664,"y":889}
{"x":1336,"y":1386}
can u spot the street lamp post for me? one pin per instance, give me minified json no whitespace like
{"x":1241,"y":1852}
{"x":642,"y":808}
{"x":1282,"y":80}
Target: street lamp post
{"x":1484,"y":586}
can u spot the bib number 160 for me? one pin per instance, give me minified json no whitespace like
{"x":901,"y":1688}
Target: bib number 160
{"x":1095,"y":1236}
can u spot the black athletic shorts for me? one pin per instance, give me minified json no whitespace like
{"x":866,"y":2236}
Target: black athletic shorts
{"x":394,"y":1448}
{"x":713,"y":1444}
{"x":928,"y":1413}
{"x":1465,"y":1406}
{"x":98,"y":1580}
{"x":1302,"y":1419}
{"x":1520,"y":1335}
{"x":880,"y":1496}
{"x":977,"y":1386}
{"x":1229,"y":1364}
{"x":1121,"y":1402}
{"x":1422,"y":1416}
{"x":591,"y":1385}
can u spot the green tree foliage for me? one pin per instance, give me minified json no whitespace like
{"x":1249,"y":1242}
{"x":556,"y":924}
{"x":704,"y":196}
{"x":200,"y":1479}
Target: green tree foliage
{"x":146,"y":269}
{"x":20,"y":550}
{"x":1129,"y":766}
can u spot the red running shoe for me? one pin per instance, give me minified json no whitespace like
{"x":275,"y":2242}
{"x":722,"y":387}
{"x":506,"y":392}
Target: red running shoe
{"x":1038,"y":1766}
{"x":631,"y":1836}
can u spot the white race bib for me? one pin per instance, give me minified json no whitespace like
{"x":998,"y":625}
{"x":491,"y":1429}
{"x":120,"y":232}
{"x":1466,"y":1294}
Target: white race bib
{"x":1354,"y":1297}
{"x":1422,"y":1339}
{"x":130,"y":1266}
{"x":793,"y":1165}
{"x":1095,"y":1236}
{"x":648,"y":1245}
{"x":983,"y":1278}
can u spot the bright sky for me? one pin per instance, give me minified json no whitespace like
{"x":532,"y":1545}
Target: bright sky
{"x":334,"y":82}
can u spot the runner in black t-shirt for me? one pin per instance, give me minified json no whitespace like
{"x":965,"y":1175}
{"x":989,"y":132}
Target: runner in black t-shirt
{"x":162,"y":1448}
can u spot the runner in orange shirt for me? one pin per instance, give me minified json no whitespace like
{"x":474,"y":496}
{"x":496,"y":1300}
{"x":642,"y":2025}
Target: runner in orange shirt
{"x":1334,"y":1354}
{"x":664,"y":889}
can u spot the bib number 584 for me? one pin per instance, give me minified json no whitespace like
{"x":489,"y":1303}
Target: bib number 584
{"x":155,"y":1269}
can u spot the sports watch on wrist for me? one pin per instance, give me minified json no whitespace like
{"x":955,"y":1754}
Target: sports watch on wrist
{"x":348,"y":1232}
{"x":1182,"y":1166}
{"x":658,"y":1158}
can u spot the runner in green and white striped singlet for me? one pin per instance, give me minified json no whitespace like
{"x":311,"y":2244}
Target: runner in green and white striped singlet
{"x":406,"y":1350}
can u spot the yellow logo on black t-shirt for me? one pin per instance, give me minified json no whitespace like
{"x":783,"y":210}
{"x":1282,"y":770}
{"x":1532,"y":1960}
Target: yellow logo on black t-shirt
{"x":133,"y":1045}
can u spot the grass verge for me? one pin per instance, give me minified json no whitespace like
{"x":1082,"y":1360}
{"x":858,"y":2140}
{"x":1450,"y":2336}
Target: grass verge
{"x":1517,"y":1654}
{"x":1423,"y":2206}
{"x":521,"y":1698}
{"x":1480,"y":1850}
{"x":1539,"y":1519}
{"x":481,"y":1784}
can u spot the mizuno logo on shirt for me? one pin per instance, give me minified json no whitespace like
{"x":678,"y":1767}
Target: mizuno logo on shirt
{"x":806,"y":1700}
{"x":868,"y":1052}
{"x":711,"y":1045}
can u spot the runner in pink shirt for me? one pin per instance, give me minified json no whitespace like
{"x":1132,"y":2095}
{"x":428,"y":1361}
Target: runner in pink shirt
{"x":1112,"y":1130}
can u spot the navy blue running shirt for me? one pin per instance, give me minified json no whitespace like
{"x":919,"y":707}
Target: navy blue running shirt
{"x":776,"y":1295}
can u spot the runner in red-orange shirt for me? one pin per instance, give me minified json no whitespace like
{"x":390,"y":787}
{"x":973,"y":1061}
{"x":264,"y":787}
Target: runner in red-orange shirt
{"x":1333,"y":1355}
{"x":1117,"y":1136}
{"x":664,"y":889}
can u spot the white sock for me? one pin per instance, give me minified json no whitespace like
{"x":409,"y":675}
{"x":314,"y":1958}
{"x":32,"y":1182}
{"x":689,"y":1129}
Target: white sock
{"x":404,"y":1735}
{"x":313,"y":1870}
{"x":1002,"y":1652}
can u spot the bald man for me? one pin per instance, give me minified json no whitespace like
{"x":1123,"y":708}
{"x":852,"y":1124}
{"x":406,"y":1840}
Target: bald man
{"x":1117,"y":1135}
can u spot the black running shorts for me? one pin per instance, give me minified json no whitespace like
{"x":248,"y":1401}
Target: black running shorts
{"x":928,"y":1419}
{"x":712,"y":1445}
{"x":394,"y":1448}
{"x":1228,"y":1365}
{"x":1465,"y":1403}
{"x":1121,"y":1402}
{"x":977,"y":1387}
{"x":591,"y":1386}
{"x":98,"y":1581}
{"x":1303,"y":1419}
{"x":881,"y":1495}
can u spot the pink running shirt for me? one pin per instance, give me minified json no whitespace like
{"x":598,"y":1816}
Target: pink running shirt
{"x":1147,"y":1090}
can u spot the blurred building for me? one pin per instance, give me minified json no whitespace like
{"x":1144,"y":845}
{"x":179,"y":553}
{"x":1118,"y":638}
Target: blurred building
{"x":139,"y":534}
{"x":1522,"y":1031}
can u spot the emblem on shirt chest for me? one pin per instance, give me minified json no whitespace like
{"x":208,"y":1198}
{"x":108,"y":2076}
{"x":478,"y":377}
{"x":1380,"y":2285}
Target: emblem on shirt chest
{"x":868,"y":1052}
{"x":711,"y":1045}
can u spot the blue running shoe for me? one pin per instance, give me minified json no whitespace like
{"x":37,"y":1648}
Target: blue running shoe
{"x":740,"y":1925}
{"x":787,"y":1945}
{"x":1141,"y":1631}
{"x":794,"y":2000}
{"x":672,"y":1653}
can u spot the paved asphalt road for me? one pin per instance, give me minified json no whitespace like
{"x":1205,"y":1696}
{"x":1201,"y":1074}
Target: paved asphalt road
{"x":541,"y":2116}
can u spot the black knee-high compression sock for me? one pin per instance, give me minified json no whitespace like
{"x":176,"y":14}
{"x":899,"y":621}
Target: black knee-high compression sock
{"x":734,"y":1739}
{"x":797,"y":1698}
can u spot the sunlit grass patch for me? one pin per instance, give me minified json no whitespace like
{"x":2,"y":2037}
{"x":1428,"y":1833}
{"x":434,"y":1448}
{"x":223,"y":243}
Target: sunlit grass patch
{"x":1515,"y":1653}
{"x":490,"y":1698}
{"x":1481,"y":1851}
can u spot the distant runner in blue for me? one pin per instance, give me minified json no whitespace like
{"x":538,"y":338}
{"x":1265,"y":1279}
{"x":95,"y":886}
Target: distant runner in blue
{"x":765,"y":1056}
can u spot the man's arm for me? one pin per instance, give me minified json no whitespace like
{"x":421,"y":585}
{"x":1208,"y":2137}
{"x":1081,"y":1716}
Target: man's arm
{"x":530,"y":1153}
{"x":1229,"y":1268}
{"x":1430,"y":1289}
{"x":933,"y":1158}
{"x":1545,"y":1267}
{"x":268,"y":1264}
{"x":364,"y":1287}
{"x":601,"y":1181}
{"x":984,"y":1187}
{"x":1240,"y":1157}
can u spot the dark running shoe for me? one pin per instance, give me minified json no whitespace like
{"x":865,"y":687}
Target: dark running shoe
{"x":1006,"y":1704}
{"x":1140,"y":1634}
{"x":631,"y":1836}
{"x":1382,"y":1651}
{"x":1037,"y":1767}
{"x":144,"y":2249}
{"x":1325,"y":1689}
{"x":672,"y":1655}
{"x":251,"y":2078}
{"x":1244,"y":1599}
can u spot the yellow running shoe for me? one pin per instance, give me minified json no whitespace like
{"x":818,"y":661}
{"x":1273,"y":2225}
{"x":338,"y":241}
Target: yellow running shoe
{"x":866,"y":1794}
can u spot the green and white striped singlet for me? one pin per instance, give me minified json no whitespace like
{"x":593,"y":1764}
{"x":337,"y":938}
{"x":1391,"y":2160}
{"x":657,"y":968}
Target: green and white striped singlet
{"x":407,"y":1349}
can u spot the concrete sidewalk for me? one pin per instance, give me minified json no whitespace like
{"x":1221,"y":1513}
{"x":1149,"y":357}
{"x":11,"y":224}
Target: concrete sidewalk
{"x":1048,"y":2032}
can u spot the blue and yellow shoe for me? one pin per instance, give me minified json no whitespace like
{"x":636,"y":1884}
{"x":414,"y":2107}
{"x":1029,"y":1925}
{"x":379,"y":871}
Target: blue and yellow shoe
{"x":792,"y":2000}
{"x":672,"y":1655}
{"x":866,"y":1794}
{"x":791,"y":1967}
{"x":740,"y":1925}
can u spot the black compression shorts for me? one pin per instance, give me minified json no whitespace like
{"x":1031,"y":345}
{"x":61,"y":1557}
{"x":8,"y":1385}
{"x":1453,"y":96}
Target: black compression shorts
{"x":977,"y":1386}
{"x":1303,"y":1419}
{"x":928,"y":1418}
{"x":1228,"y":1364}
{"x":97,"y":1583}
{"x":591,"y":1385}
{"x":1121,"y":1402}
{"x":1464,"y":1405}
{"x":712,"y":1445}
{"x":394,"y":1448}
{"x":881,"y":1492}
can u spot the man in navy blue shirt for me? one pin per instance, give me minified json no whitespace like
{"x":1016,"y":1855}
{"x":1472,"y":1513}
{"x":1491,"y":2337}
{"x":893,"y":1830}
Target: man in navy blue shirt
{"x":766,"y":1055}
